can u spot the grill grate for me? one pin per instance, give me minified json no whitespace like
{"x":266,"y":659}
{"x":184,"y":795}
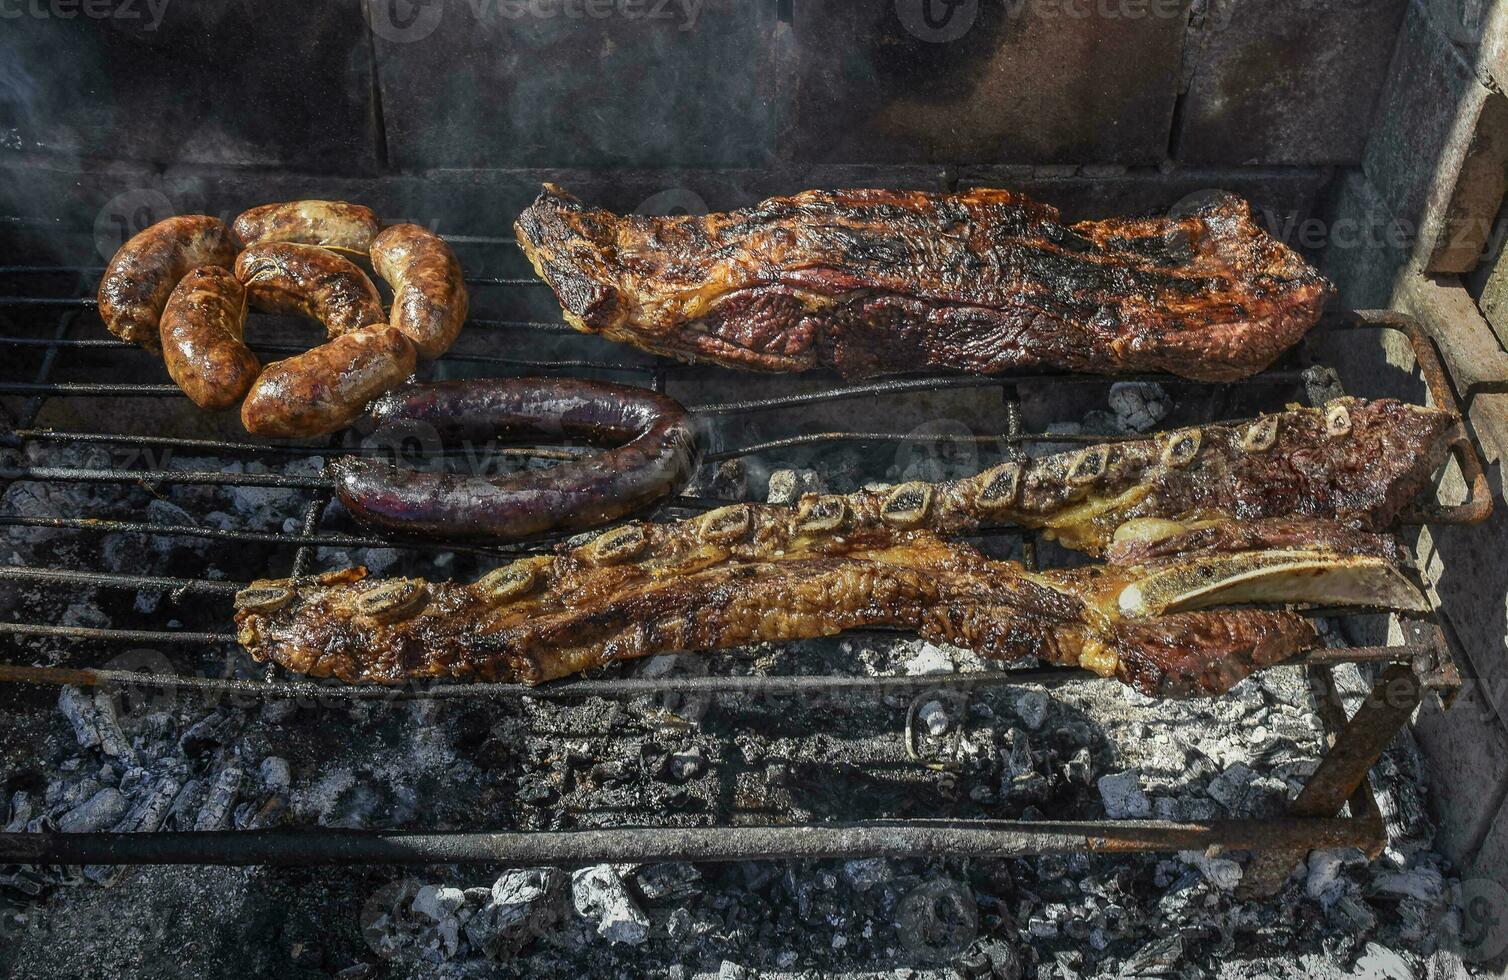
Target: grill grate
{"x":77,"y":340}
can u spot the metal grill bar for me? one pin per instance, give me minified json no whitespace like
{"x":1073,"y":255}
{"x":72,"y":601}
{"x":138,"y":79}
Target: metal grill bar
{"x":892,"y":839}
{"x":621,"y":688}
{"x":1012,"y":437}
{"x":204,"y":477}
{"x":116,"y":580}
{"x":230,"y":446}
{"x":103,"y":526}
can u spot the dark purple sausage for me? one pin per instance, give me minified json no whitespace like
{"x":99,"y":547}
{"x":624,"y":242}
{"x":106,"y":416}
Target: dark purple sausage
{"x":655,"y":454}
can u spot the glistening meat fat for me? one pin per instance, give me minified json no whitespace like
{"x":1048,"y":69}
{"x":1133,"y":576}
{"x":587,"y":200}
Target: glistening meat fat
{"x":1358,"y":462}
{"x":879,"y":281}
{"x":1354,"y":461}
{"x":628,"y":594}
{"x":144,"y":271}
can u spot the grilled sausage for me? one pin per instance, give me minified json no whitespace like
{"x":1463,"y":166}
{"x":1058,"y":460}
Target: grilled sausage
{"x":143,"y":272}
{"x":655,"y":456}
{"x":328,"y":224}
{"x":306,"y":280}
{"x":324,"y":389}
{"x":202,"y":329}
{"x":429,"y":294}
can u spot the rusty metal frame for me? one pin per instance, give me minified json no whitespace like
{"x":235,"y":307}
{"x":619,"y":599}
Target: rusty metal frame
{"x":1478,"y":504}
{"x":1341,"y":778}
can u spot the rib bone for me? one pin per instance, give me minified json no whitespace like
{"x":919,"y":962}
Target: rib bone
{"x":573,"y":612}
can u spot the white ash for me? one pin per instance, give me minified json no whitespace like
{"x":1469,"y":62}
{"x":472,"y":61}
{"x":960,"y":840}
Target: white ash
{"x":1032,"y":707}
{"x":98,"y":812}
{"x":934,"y":717}
{"x":1123,"y":797}
{"x":434,"y":903}
{"x":1224,"y":873}
{"x":133,"y":774}
{"x":789,"y":486}
{"x":215,"y":815}
{"x":930,"y":658}
{"x":1138,"y":405}
{"x":599,"y":894}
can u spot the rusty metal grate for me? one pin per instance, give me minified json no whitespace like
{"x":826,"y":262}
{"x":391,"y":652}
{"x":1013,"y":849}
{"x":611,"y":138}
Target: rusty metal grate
{"x":1422,"y":664}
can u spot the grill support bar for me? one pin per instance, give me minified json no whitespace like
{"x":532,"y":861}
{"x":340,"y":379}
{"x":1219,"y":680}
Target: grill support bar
{"x":900,"y":839}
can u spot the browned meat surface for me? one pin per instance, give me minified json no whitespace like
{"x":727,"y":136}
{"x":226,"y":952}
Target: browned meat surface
{"x":1355,"y":462}
{"x":628,"y":594}
{"x":875,"y":281}
{"x":144,"y":271}
{"x":337,"y":225}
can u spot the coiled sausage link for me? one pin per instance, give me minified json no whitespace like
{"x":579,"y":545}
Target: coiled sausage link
{"x":324,"y":389}
{"x":429,"y":292}
{"x":143,"y":272}
{"x":306,"y":280}
{"x":202,"y":334}
{"x":656,"y":448}
{"x":336,"y":225}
